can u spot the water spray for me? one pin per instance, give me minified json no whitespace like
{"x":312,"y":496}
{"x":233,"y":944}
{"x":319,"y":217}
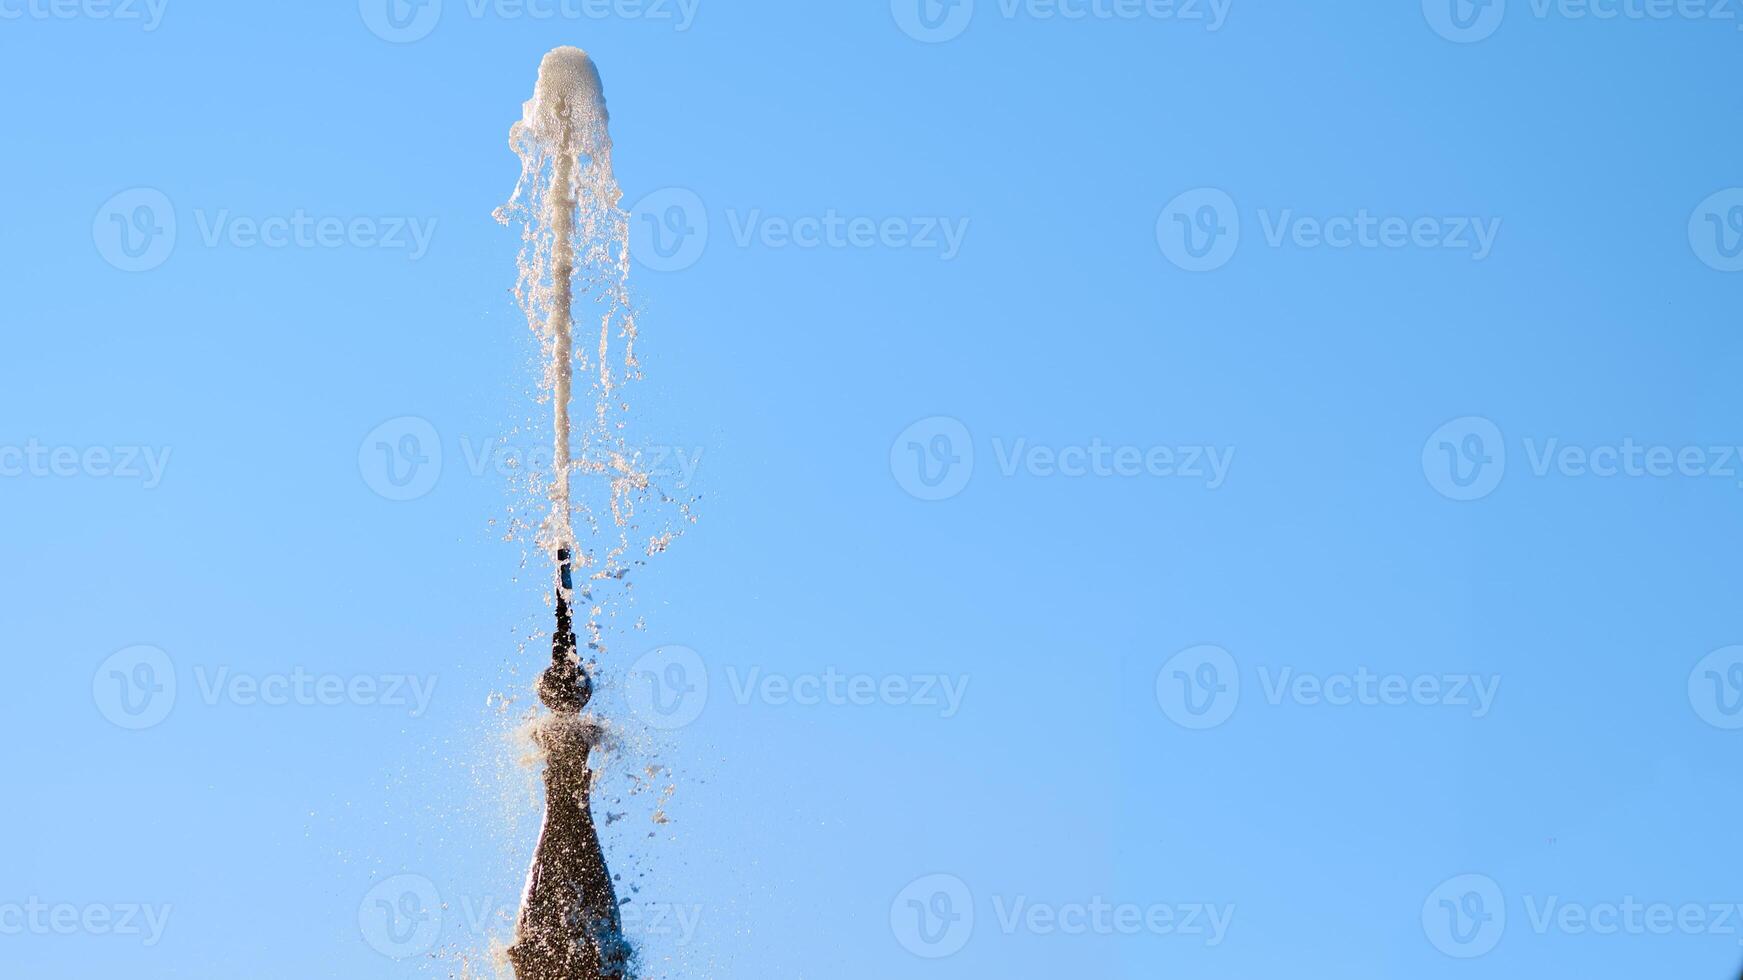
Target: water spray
{"x":569,"y":926}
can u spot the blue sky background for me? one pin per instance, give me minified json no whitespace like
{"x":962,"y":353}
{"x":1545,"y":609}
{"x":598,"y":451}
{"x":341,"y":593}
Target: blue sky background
{"x":1077,"y":768}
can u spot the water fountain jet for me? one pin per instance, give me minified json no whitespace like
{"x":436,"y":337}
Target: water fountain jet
{"x":569,"y":926}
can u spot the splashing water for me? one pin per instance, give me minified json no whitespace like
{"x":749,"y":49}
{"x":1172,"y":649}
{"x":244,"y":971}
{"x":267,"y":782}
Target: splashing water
{"x":573,"y":265}
{"x":575,"y":255}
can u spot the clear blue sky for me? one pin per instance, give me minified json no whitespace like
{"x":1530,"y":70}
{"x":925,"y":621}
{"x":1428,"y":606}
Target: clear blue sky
{"x":1201,"y":400}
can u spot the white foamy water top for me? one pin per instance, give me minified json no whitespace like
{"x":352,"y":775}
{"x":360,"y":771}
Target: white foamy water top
{"x":568,"y":93}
